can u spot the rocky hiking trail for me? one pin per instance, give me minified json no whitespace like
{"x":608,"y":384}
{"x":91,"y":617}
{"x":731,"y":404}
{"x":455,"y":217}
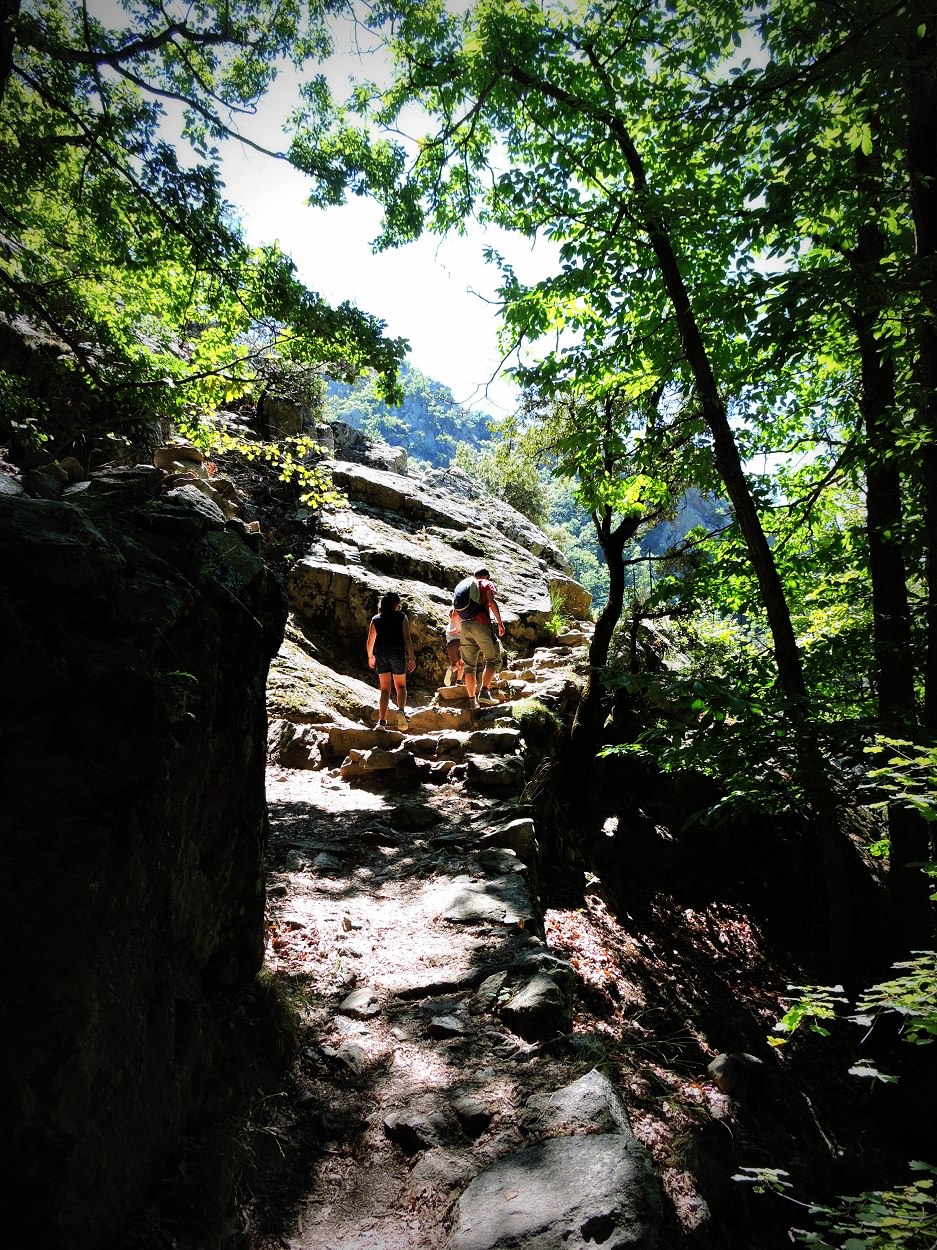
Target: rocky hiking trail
{"x":493,"y":1055}
{"x":436,"y":1099}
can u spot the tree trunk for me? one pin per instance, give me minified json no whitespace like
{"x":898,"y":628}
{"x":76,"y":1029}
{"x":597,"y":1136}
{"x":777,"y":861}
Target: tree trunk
{"x":9,"y":12}
{"x":831,"y":842}
{"x":909,"y":909}
{"x":922,"y":172}
{"x":612,"y":543}
{"x":587,"y":723}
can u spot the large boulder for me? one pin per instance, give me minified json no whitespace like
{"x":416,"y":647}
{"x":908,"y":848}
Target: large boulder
{"x":574,"y":1192}
{"x":132,"y":745}
{"x":420,"y":536}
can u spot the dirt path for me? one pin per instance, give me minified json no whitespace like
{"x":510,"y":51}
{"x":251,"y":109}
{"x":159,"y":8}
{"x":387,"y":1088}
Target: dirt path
{"x":404,"y":914}
{"x":391,"y":915}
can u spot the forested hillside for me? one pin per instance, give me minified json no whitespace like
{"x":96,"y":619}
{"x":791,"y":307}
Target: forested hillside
{"x":428,"y":422}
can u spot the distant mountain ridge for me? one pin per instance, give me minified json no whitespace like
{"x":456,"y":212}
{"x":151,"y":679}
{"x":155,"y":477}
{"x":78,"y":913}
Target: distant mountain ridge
{"x":429,"y":424}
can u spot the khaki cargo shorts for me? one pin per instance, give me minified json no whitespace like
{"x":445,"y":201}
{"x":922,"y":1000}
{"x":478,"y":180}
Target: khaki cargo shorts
{"x":480,"y":638}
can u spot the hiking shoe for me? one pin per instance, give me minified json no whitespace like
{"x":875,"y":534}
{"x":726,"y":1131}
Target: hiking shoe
{"x":449,"y":677}
{"x":382,"y":724}
{"x":485,"y":696}
{"x":403,"y":716}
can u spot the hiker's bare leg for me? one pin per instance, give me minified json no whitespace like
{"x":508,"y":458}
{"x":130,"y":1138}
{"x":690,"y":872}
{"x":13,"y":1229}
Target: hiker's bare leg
{"x":400,"y":683}
{"x":384,"y":679}
{"x":469,"y":678}
{"x":489,"y":672}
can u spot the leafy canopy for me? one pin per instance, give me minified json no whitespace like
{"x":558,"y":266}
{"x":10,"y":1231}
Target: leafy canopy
{"x":124,"y":255}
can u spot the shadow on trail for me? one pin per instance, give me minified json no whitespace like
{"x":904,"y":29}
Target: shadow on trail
{"x":373,"y":1089}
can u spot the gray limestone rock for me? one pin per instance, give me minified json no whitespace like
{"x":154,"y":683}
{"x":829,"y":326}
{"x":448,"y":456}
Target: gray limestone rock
{"x":10,"y":485}
{"x":362,"y":763}
{"x":439,"y":1173}
{"x":412,"y":1131}
{"x":495,"y":774}
{"x":419,"y":536}
{"x":538,"y":1009}
{"x":468,"y":900}
{"x":445,"y":1026}
{"x":351,"y":1054}
{"x":361,"y":1004}
{"x":540,"y":960}
{"x":414,"y":815}
{"x":294,"y":746}
{"x":590,"y":1105}
{"x":493,"y":741}
{"x":518,"y":835}
{"x":488,"y":993}
{"x":574,"y":1192}
{"x":473,"y":1113}
{"x":137,"y":646}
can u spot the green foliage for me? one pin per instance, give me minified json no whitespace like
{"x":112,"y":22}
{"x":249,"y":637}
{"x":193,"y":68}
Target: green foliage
{"x":913,"y":996}
{"x":878,"y":1219}
{"x":764,"y":1180}
{"x":908,"y":775}
{"x":557,"y":622}
{"x":299,"y":381}
{"x":128,"y":259}
{"x":904,"y":1216}
{"x":506,"y":472}
{"x":538,"y":724}
{"x":741,"y":740}
{"x":812,"y":1004}
{"x":650,"y":139}
{"x":881,"y":1219}
{"x":578,"y":543}
{"x":294,"y":459}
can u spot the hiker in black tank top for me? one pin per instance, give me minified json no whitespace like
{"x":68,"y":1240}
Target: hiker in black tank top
{"x":390,"y":654}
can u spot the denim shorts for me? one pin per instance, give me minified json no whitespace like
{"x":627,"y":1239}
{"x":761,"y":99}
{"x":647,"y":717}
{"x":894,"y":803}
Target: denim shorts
{"x":390,"y":660}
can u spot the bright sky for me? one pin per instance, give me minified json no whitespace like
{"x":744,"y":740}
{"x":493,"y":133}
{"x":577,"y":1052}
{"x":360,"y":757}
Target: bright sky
{"x":432,"y":292}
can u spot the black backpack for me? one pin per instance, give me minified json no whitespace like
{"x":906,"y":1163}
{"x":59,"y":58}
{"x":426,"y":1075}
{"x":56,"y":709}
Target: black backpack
{"x":467,"y":598}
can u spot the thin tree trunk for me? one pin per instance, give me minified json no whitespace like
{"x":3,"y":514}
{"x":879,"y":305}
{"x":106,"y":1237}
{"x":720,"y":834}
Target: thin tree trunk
{"x":909,"y":909}
{"x":830,"y":839}
{"x":922,"y":171}
{"x":612,"y":543}
{"x":584,"y":734}
{"x":9,"y":12}
{"x":922,"y":174}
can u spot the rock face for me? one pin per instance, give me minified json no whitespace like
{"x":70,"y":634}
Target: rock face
{"x":420,"y":536}
{"x":133,"y":741}
{"x":589,"y":1182}
{"x":573,"y":1192}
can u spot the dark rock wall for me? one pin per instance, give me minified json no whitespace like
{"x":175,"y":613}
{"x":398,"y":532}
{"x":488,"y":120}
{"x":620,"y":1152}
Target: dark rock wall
{"x":132,"y":734}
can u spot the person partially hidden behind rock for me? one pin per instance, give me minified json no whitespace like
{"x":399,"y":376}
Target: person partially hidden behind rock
{"x":481,"y":638}
{"x":390,"y":654}
{"x":454,"y":649}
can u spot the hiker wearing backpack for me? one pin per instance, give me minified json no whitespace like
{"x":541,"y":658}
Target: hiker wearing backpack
{"x":390,"y":654}
{"x":474,"y":600}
